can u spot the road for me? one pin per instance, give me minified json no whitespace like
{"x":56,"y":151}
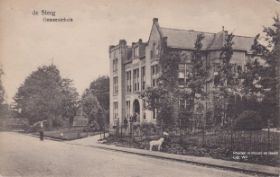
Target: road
{"x":23,"y":155}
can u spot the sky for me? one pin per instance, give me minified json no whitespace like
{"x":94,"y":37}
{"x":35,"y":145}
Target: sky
{"x":80,"y":48}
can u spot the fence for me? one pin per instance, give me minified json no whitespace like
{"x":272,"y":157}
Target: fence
{"x":235,"y":141}
{"x":245,"y":141}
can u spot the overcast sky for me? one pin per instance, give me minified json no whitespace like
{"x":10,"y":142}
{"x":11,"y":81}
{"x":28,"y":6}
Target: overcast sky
{"x":80,"y":48}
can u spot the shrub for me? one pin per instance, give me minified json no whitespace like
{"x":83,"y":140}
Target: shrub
{"x":248,"y":120}
{"x":148,"y":128}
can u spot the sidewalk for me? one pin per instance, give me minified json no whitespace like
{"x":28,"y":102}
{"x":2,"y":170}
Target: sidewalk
{"x":241,"y":166}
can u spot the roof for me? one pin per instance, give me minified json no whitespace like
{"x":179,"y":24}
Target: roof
{"x":185,"y":39}
{"x":243,"y":43}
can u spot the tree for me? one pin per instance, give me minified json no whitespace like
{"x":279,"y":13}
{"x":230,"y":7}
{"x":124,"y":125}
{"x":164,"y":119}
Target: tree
{"x":100,"y":88}
{"x":2,"y":90}
{"x":44,"y":95}
{"x":162,"y":98}
{"x":95,"y":101}
{"x":198,"y":81}
{"x":273,"y":59}
{"x":260,"y":77}
{"x":4,"y":108}
{"x":167,"y":94}
{"x":227,"y":82}
{"x":168,"y":86}
{"x":70,"y":101}
{"x":159,"y":100}
{"x":248,"y":120}
{"x":92,"y":108}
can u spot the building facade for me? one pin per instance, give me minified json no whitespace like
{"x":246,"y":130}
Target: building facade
{"x":135,"y":67}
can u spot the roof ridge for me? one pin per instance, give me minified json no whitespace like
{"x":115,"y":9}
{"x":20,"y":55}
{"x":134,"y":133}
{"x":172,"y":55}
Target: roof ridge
{"x":177,"y":29}
{"x":186,"y":30}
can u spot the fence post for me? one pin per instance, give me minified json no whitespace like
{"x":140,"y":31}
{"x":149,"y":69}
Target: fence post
{"x":250,"y":141}
{"x":104,"y":131}
{"x":268,"y":136}
{"x":121,"y":130}
{"x":161,"y":126}
{"x":130,"y":124}
{"x":203,"y":133}
{"x":231,"y":140}
{"x":132,"y":132}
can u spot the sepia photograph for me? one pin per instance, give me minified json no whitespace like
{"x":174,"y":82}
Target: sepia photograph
{"x":139,"y":88}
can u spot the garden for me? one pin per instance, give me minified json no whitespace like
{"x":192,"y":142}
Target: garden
{"x":258,"y":146}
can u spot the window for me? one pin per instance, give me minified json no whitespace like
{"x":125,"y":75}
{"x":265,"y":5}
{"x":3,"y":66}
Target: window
{"x":237,"y":70}
{"x":154,"y":82}
{"x":128,"y":81}
{"x":181,"y":74}
{"x":115,"y":110}
{"x":115,"y":65}
{"x":182,"y":103}
{"x":155,"y":71}
{"x":154,"y":50}
{"x":136,"y":51}
{"x":154,"y":113}
{"x":157,"y":51}
{"x":143,"y":109}
{"x":217,"y":68}
{"x":115,"y":85}
{"x":188,"y":73}
{"x":143,"y":77}
{"x":136,"y":80}
{"x":185,"y":72}
{"x":127,"y":109}
{"x":181,"y":70}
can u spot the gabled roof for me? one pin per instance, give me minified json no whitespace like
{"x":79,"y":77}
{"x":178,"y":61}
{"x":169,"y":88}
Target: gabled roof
{"x":243,"y":43}
{"x":185,"y":39}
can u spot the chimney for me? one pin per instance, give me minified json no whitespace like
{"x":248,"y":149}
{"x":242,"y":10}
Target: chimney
{"x":111,"y":46}
{"x":140,"y":41}
{"x":155,"y":20}
{"x":223,"y":28}
{"x":122,"y":42}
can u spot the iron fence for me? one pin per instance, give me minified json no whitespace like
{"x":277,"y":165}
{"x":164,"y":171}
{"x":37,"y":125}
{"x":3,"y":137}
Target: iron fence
{"x":262,"y":142}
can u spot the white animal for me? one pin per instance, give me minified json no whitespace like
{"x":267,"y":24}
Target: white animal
{"x":157,"y":143}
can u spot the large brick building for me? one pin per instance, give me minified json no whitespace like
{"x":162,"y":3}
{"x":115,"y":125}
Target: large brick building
{"x":135,"y":67}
